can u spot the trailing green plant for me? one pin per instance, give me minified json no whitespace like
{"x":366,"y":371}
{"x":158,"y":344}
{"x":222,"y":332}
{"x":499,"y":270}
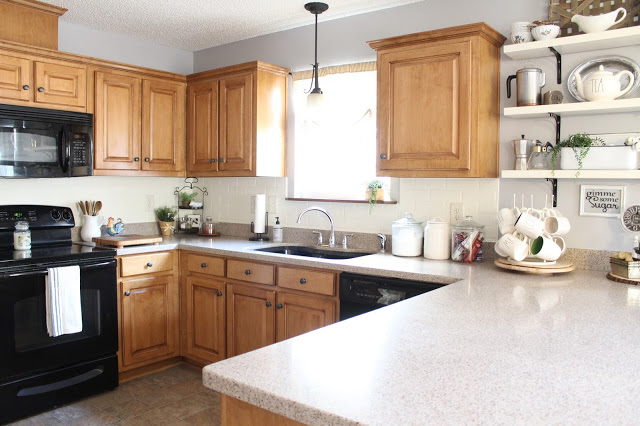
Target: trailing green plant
{"x":186,"y":197}
{"x":374,"y":185}
{"x":166,"y":213}
{"x":580,"y":143}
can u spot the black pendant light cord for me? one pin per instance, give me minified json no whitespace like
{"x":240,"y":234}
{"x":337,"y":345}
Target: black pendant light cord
{"x":315,"y":8}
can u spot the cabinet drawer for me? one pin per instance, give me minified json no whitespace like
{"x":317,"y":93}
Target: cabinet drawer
{"x":205,"y":265}
{"x":306,"y":280}
{"x":146,"y":264}
{"x":250,"y":271}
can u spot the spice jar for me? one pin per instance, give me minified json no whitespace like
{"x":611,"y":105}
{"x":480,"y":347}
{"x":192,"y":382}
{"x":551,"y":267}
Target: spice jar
{"x":22,"y":236}
{"x":466,"y":241}
{"x":208,"y":228}
{"x":437,"y":237}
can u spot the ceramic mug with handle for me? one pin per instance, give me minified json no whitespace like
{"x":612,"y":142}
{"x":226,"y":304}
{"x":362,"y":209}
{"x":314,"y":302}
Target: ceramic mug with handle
{"x":514,"y":245}
{"x":530,"y":224}
{"x":545,"y":248}
{"x":556,"y":225}
{"x":506,"y":220}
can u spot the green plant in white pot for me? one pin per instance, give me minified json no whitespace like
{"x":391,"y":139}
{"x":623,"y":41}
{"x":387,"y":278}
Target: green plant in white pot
{"x":580,"y":143}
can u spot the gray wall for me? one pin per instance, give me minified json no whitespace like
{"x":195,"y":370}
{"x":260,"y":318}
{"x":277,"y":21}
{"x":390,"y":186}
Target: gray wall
{"x":115,"y":47}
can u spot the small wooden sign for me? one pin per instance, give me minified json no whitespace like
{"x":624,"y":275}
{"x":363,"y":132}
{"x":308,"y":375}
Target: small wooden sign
{"x":601,"y":200}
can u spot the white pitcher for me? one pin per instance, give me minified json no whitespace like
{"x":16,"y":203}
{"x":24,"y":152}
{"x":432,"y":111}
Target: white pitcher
{"x":91,"y":227}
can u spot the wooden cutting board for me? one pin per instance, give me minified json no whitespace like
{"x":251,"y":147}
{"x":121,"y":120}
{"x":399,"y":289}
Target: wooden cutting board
{"x":120,"y":241}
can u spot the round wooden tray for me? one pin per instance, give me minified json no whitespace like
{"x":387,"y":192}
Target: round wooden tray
{"x":560,"y":266}
{"x":623,"y":280}
{"x":215,"y":234}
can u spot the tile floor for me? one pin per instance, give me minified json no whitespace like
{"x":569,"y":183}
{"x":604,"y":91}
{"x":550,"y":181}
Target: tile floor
{"x":174,"y":396}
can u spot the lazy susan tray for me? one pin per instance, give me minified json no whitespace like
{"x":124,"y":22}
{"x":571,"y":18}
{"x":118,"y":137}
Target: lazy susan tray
{"x":558,"y":267}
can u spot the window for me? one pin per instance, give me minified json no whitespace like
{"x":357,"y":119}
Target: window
{"x":335,"y":154}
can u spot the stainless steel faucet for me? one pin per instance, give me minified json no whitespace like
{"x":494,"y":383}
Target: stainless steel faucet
{"x":332,"y":236}
{"x":383,"y":242}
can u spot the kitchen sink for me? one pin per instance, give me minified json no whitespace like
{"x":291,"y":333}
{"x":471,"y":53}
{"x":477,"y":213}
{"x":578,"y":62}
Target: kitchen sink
{"x":316,"y":252}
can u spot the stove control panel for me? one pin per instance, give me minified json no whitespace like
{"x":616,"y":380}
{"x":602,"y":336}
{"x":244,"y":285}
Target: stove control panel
{"x":37,"y":216}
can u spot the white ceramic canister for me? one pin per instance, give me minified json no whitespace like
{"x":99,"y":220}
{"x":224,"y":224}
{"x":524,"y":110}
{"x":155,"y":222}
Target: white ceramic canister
{"x":406,"y":237}
{"x":437,"y":239}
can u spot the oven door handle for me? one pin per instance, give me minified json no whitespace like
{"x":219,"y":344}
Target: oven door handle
{"x":40,"y":272}
{"x":50,"y":387}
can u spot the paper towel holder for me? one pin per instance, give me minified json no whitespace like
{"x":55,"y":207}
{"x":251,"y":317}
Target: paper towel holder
{"x":261,"y":236}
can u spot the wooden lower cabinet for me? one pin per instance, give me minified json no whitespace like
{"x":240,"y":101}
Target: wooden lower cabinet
{"x":150,"y":321}
{"x":296,"y":314}
{"x":250,"y":318}
{"x":204,"y":319}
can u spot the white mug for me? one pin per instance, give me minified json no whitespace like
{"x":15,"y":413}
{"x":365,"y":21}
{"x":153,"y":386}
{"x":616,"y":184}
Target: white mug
{"x":556,"y":225}
{"x":545,"y":248}
{"x":530,"y":225}
{"x":515,"y":246}
{"x":506,"y":220}
{"x":559,"y":241}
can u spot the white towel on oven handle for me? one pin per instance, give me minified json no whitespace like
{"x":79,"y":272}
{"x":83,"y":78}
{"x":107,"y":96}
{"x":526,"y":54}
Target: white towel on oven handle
{"x":62,"y":298}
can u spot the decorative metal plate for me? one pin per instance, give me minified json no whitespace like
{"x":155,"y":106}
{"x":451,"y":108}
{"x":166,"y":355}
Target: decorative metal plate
{"x":614,"y":64}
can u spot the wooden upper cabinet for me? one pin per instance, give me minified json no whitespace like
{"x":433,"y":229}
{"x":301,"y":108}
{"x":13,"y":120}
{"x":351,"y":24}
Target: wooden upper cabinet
{"x":163,"y":121}
{"x":15,"y":78}
{"x":438,"y":103}
{"x":117,"y":121}
{"x":250,"y":318}
{"x":236,"y":121}
{"x":61,"y":84}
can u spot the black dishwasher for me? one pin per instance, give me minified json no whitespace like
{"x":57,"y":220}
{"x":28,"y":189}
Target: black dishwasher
{"x":362,"y":293}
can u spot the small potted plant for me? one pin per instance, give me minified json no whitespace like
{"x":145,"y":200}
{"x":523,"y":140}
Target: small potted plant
{"x":166,"y":219}
{"x":375,"y":193}
{"x":186,"y":198}
{"x":580,"y":144}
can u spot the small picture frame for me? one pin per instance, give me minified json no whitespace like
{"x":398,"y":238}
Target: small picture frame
{"x":195,"y":220}
{"x":601,"y":200}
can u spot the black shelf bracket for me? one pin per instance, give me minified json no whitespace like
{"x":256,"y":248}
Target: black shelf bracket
{"x":558,"y":64}
{"x":558,"y":120}
{"x":554,"y":190}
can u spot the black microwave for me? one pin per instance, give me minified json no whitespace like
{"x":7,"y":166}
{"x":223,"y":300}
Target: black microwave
{"x":45,"y":143}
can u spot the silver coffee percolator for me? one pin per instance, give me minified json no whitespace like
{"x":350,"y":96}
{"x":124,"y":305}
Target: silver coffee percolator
{"x":529,"y":83}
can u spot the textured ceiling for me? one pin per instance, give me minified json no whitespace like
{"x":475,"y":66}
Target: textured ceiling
{"x":198,"y":24}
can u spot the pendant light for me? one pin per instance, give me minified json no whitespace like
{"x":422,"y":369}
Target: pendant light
{"x":315,"y":99}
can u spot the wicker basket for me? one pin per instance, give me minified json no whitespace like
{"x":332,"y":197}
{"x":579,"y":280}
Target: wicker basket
{"x":561,"y":11}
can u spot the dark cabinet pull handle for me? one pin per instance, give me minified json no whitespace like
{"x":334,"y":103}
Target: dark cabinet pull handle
{"x":203,"y":265}
{"x":149,"y":264}
{"x":213,"y":160}
{"x":127,"y":293}
{"x":219,"y":293}
{"x":383,"y":156}
{"x":268,"y":304}
{"x":247,"y":271}
{"x":25,"y":87}
{"x":40,"y":89}
{"x":220,"y":160}
{"x":303,"y":281}
{"x":147,"y":160}
{"x":136,"y":159}
{"x":279,"y":306}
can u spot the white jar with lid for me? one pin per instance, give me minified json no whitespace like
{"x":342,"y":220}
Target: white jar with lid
{"x":406,"y":237}
{"x":22,"y":236}
{"x":437,"y":239}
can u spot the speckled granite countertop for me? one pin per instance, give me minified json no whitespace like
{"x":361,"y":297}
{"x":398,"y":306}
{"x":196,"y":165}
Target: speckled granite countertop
{"x":493,"y":347}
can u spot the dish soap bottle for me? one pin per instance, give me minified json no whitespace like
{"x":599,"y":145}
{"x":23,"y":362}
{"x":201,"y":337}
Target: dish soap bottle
{"x":278,"y":232}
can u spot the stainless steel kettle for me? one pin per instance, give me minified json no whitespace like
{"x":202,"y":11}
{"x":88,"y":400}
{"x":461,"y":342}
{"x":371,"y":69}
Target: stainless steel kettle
{"x":529,"y":83}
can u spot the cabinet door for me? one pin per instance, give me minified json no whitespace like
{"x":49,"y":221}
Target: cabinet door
{"x":297,"y":314}
{"x":14,"y":77}
{"x":424,"y":102}
{"x":250,"y":318}
{"x":149,"y":319}
{"x":202,"y":127}
{"x":163,"y":136}
{"x":61,"y":84}
{"x":117,"y":122}
{"x":236,"y":123}
{"x":205,"y":325}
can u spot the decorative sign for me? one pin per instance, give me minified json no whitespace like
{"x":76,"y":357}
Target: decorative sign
{"x":600,"y":200}
{"x":631,"y":218}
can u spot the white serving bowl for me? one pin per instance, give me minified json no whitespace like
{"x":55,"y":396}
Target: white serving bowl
{"x":545,"y":32}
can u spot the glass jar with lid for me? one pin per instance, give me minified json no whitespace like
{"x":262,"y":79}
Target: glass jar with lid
{"x":209,"y":227}
{"x":22,"y":236}
{"x":406,"y":236}
{"x":466,"y":241}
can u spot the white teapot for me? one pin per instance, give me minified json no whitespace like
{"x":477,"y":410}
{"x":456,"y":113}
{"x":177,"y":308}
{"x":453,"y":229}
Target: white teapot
{"x":603,"y":85}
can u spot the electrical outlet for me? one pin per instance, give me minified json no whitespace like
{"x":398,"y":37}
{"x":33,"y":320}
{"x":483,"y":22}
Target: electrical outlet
{"x":148,"y":203}
{"x":253,"y":204}
{"x":456,"y":213}
{"x":272,"y":205}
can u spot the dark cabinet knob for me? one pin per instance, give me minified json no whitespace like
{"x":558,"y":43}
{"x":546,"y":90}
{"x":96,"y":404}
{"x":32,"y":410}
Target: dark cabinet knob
{"x":303,"y":281}
{"x":279,"y":306}
{"x":203,"y":265}
{"x":40,"y":89}
{"x":147,"y":160}
{"x":219,"y":293}
{"x":213,"y":160}
{"x":25,"y":87}
{"x":268,"y":304}
{"x":247,"y":271}
{"x":383,"y":156}
{"x":149,"y":264}
{"x":127,"y":293}
{"x":136,"y":159}
{"x":220,"y":160}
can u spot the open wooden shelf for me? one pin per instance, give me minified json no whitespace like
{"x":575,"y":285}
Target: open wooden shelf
{"x":576,"y":108}
{"x":570,"y":174}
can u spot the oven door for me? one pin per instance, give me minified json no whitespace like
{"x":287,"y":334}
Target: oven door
{"x":25,"y":346}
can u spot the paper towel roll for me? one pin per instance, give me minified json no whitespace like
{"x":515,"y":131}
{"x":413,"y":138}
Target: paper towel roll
{"x":261,"y":210}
